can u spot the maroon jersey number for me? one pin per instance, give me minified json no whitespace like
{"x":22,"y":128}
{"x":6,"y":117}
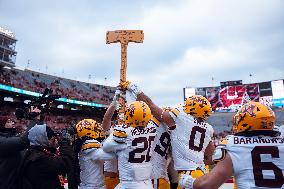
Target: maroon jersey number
{"x":197,"y":147}
{"x":259,"y":167}
{"x":136,"y":156}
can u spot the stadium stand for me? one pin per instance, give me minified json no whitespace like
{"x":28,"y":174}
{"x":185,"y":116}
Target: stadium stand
{"x":58,"y":119}
{"x":37,"y":82}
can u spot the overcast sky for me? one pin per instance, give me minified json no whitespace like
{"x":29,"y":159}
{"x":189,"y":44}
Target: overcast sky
{"x":186,"y":42}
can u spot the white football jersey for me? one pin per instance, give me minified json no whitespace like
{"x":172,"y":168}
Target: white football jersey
{"x":110,"y":166}
{"x":161,"y":146}
{"x":134,"y":156}
{"x":280,"y":129}
{"x":91,"y":162}
{"x":189,"y":140}
{"x":258,"y":161}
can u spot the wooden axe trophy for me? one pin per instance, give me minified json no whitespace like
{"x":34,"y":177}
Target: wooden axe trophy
{"x":123,"y":37}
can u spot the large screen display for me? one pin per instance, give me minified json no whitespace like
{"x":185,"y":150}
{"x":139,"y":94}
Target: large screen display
{"x":278,"y":93}
{"x":235,"y":96}
{"x":230,"y":97}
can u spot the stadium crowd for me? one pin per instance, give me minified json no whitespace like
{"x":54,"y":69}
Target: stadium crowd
{"x":37,"y":82}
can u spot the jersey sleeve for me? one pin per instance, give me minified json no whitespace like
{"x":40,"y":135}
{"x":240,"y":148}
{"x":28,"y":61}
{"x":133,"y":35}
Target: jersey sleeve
{"x":111,"y":144}
{"x":174,"y":113}
{"x":100,"y":154}
{"x":220,"y":151}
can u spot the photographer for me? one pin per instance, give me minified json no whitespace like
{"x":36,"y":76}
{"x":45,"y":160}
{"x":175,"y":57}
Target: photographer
{"x":11,"y":152}
{"x":43,"y":166}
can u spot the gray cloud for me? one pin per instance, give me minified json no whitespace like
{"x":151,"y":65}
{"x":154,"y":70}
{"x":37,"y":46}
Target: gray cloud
{"x":186,"y":42}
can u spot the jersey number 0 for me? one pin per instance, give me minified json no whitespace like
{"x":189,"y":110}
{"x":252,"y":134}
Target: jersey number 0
{"x":192,"y":141}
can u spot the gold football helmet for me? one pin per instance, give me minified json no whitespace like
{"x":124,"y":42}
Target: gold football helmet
{"x":137,"y":114}
{"x":197,"y":106}
{"x":91,"y":129}
{"x":254,"y":116}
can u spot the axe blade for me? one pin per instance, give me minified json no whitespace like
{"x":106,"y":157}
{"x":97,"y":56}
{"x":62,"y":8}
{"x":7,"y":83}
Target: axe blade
{"x":125,"y":36}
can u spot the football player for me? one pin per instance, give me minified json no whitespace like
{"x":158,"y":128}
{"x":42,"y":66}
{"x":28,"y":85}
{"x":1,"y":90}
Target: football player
{"x":91,"y":155}
{"x":191,"y":135}
{"x":254,"y":155}
{"x":110,"y":167}
{"x":160,"y":156}
{"x":132,"y":144}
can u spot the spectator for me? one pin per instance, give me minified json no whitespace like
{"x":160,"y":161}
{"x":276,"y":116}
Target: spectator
{"x":42,"y":166}
{"x":11,"y":148}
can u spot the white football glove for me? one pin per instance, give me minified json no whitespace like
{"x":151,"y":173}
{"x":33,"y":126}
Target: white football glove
{"x":134,"y":89}
{"x":116,"y":96}
{"x":115,"y":100}
{"x":186,"y":181}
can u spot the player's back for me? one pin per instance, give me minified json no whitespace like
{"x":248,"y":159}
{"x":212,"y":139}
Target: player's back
{"x":91,"y":160}
{"x":258,"y":162}
{"x":189,"y":140}
{"x":160,"y":153}
{"x":134,"y":161}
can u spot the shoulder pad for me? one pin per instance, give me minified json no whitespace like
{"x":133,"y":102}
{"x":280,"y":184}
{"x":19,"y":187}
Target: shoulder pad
{"x":90,"y":145}
{"x":119,"y":135}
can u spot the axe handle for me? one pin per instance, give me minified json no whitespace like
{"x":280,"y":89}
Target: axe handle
{"x":122,"y":101}
{"x":123,"y":62}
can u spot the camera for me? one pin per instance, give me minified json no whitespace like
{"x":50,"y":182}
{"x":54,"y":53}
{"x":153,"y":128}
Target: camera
{"x":42,"y":103}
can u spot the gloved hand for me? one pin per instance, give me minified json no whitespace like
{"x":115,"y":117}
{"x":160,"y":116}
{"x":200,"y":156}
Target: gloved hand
{"x":131,"y":87}
{"x":116,"y":96}
{"x":186,"y":181}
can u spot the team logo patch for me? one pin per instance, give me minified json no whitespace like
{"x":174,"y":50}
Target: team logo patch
{"x":249,"y":108}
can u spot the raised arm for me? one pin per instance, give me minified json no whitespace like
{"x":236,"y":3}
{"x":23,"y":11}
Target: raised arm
{"x":110,"y":111}
{"x":107,"y":117}
{"x":212,"y":180}
{"x":157,"y":112}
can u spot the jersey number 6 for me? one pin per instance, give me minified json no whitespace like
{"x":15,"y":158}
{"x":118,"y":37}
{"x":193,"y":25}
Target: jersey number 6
{"x":259,"y":166}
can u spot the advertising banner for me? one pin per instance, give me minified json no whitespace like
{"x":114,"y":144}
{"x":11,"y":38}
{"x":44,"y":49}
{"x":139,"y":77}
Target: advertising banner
{"x":278,"y":93}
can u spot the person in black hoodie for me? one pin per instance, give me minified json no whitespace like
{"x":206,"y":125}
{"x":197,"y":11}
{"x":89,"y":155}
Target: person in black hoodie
{"x":42,"y":166}
{"x":11,"y":153}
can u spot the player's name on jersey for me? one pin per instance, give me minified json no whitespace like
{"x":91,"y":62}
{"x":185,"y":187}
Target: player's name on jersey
{"x":139,"y":131}
{"x":258,"y":140}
